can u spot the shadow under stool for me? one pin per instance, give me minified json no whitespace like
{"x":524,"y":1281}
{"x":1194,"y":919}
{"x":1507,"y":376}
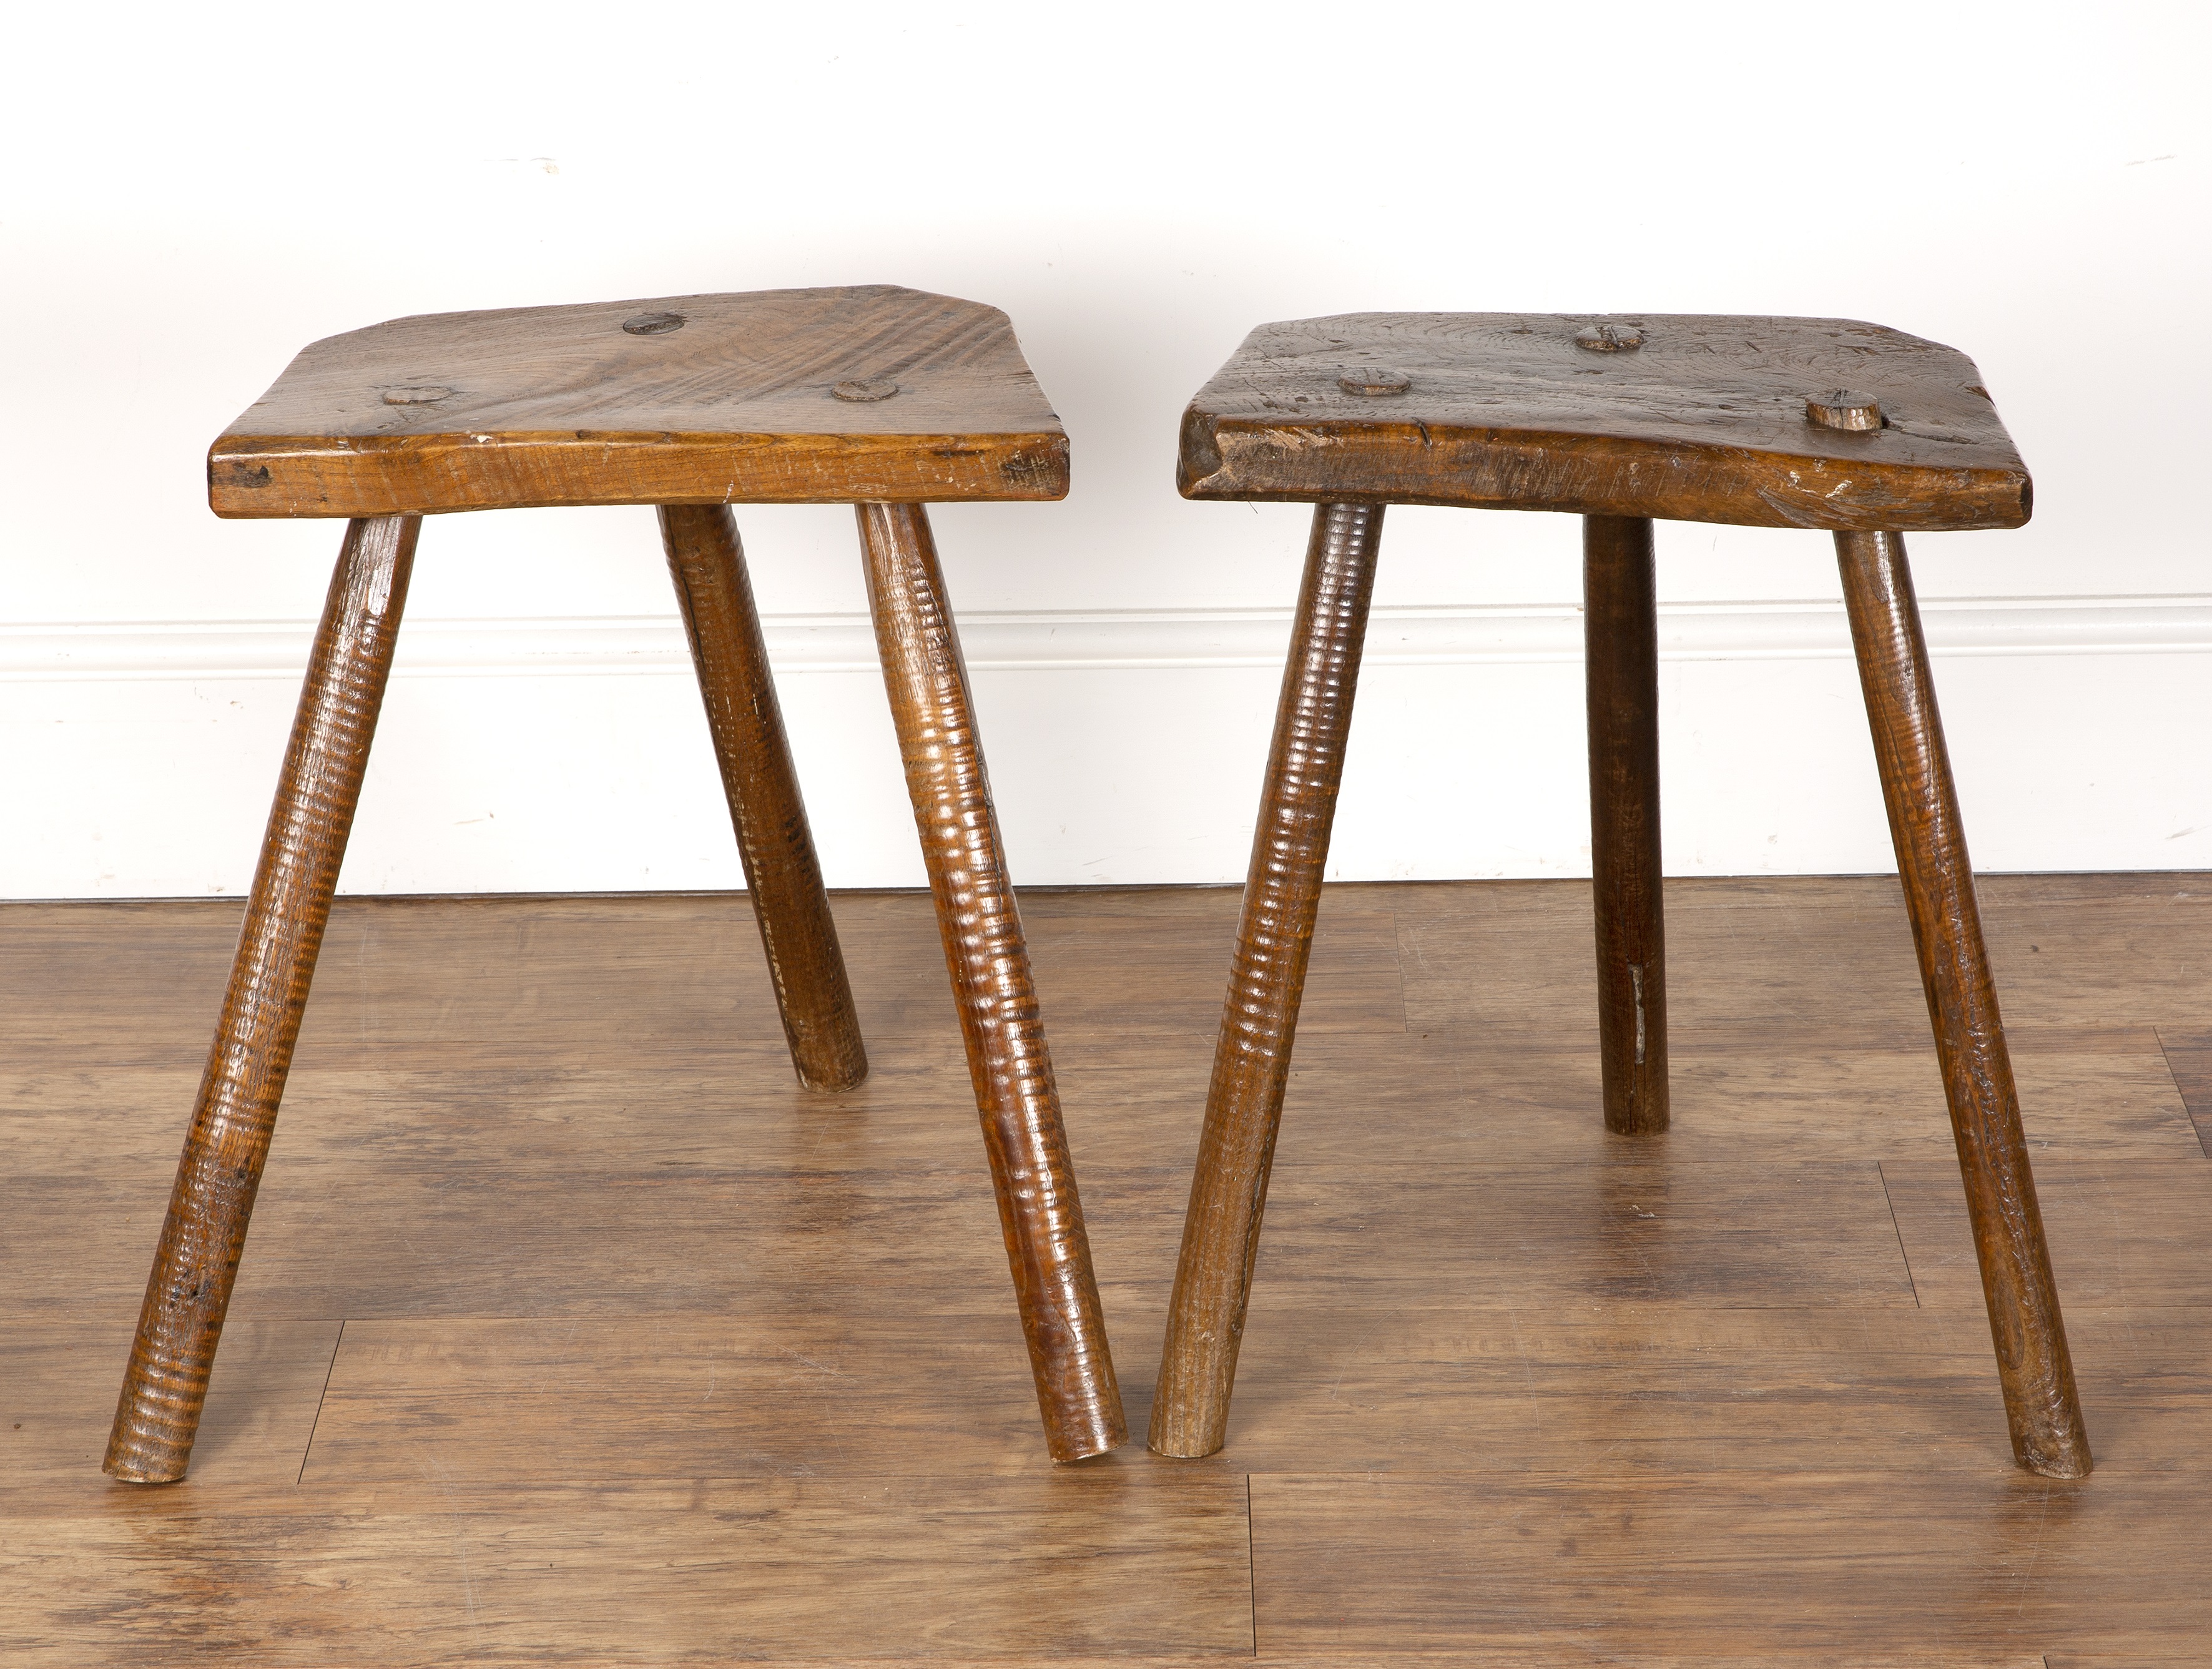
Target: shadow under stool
{"x":1863,"y":432}
{"x":883,"y":398}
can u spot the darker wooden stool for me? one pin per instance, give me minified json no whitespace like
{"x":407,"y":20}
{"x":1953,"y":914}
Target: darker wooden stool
{"x":1780,"y":422}
{"x":884,"y":398}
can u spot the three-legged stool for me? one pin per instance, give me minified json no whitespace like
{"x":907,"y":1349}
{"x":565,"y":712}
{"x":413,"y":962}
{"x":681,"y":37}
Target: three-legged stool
{"x":1781,"y":423}
{"x":884,"y":398}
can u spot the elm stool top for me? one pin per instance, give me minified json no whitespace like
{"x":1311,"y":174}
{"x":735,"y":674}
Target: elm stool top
{"x":1774,"y":422}
{"x":870,"y":393}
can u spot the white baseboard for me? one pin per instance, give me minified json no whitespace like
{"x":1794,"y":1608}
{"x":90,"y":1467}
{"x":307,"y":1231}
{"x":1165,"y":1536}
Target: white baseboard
{"x":1084,"y":640}
{"x":526,"y":755}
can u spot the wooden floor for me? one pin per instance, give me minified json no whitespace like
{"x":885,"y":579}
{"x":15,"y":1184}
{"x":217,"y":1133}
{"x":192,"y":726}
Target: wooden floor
{"x":571,"y":1330}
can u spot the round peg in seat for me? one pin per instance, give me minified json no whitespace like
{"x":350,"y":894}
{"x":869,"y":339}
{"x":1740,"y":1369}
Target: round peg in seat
{"x":1844,"y":408}
{"x":1374,"y":382}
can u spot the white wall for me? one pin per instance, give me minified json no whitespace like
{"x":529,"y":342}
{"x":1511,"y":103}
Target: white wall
{"x":192,"y":194}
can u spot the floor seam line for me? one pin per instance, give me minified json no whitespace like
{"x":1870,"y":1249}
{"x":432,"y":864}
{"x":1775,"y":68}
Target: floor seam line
{"x":337,"y":1344}
{"x":1250,"y":1566}
{"x":1898,"y":1230}
{"x":2188,"y":1109}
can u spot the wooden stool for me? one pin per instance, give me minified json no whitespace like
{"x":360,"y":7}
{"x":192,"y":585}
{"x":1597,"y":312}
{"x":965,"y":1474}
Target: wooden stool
{"x":1778,"y":422}
{"x":886,"y":399}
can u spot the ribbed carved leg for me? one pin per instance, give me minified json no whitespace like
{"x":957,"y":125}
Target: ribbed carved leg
{"x":197,"y":1263}
{"x":992,"y":985}
{"x":1252,"y":1059}
{"x":811,"y":991}
{"x":2033,"y":1365}
{"x":1620,"y":657}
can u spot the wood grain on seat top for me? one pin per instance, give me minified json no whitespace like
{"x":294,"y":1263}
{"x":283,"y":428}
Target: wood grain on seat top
{"x":1704,"y":422}
{"x":560,"y":405}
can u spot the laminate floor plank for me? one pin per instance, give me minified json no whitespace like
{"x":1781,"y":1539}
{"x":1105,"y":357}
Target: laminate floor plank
{"x":2120,"y":1233}
{"x":332,"y":1240}
{"x":1611,"y":1388}
{"x":687,"y":1570}
{"x":57,"y":1396}
{"x":799,"y":1394}
{"x":1821,"y":959}
{"x":704,"y":1110}
{"x":1791,"y":1233}
{"x":440,"y":1106}
{"x":1480,"y":1100}
{"x":511,"y":975}
{"x":1116,"y":975}
{"x":1827,"y":959}
{"x":1597,"y":1390}
{"x":442,"y":1109}
{"x":1789,"y":1565}
{"x":105,"y":984}
{"x":2188,"y":1056}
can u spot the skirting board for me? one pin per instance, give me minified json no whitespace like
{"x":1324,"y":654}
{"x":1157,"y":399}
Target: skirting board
{"x":571,"y":754}
{"x":199,"y":650}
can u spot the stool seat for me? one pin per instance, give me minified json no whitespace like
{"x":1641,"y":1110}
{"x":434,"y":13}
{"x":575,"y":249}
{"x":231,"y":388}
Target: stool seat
{"x":1682,"y":416}
{"x":869,"y":393}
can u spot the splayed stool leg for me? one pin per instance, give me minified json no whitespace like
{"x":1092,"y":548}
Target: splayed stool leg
{"x":1274,"y":938}
{"x":782,"y":874}
{"x":2042,"y":1408}
{"x":989,"y":962}
{"x":1621,"y":670}
{"x":195,"y":1262}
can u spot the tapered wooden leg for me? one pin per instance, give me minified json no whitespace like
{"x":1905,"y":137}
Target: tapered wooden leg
{"x":784,"y":878}
{"x":197,"y":1261}
{"x":992,"y":985}
{"x":1252,"y":1057}
{"x":1621,"y":657}
{"x":2032,"y":1363}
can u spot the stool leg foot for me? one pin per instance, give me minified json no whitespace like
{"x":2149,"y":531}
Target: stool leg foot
{"x":1252,"y":1057}
{"x":1621,"y":657}
{"x":812,"y":993}
{"x":2041,"y":1406}
{"x":195,"y":1262}
{"x":989,"y":962}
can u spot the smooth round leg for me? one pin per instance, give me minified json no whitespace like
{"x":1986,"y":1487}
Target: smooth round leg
{"x":196,"y":1264}
{"x":782,"y":874}
{"x":2033,"y":1366}
{"x":1621,"y":658}
{"x":1252,"y":1057}
{"x":989,"y":962}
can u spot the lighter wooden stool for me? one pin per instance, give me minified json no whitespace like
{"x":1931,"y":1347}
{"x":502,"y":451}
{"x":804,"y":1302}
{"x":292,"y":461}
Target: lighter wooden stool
{"x":884,"y":398}
{"x":1779,"y":423}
